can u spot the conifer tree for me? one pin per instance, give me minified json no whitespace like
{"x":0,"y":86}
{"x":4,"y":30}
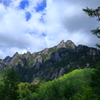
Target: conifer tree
{"x":94,"y":13}
{"x":11,"y":85}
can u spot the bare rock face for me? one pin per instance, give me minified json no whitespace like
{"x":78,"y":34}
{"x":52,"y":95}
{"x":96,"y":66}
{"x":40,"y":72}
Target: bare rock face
{"x":7,"y":60}
{"x":34,"y":54}
{"x":45,"y":51}
{"x":62,"y":52}
{"x":68,"y":66}
{"x":27,"y":55}
{"x":37,"y":65}
{"x":55,"y":56}
{"x":2,"y":64}
{"x":15,"y":56}
{"x":79,"y":47}
{"x":87,"y":65}
{"x":39,"y":59}
{"x":38,"y":62}
{"x":62,"y":71}
{"x":18,"y":60}
{"x":17,"y":65}
{"x":70,"y":44}
{"x":55,"y":75}
{"x":93,"y":52}
{"x":61,"y":44}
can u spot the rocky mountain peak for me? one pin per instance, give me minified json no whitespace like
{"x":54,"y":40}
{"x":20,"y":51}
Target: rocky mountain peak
{"x":61,"y":44}
{"x":27,"y":54}
{"x":70,"y":44}
{"x":7,"y":60}
{"x":67,"y":44}
{"x":15,"y":54}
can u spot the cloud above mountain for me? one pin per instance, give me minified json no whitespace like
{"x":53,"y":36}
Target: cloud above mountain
{"x":32,"y":25}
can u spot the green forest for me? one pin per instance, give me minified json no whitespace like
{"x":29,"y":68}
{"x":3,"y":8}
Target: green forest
{"x":80,"y":84}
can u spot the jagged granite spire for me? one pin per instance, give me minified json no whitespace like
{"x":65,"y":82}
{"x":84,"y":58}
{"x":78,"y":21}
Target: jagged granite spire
{"x":61,"y":44}
{"x":27,"y":54}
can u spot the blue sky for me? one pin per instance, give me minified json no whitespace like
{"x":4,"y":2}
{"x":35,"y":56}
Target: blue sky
{"x":24,"y":4}
{"x":32,"y":25}
{"x":39,"y":8}
{"x":28,"y":16}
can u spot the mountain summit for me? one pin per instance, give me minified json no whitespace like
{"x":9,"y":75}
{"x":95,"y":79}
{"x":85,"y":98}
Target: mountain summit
{"x":67,"y":44}
{"x":61,"y":44}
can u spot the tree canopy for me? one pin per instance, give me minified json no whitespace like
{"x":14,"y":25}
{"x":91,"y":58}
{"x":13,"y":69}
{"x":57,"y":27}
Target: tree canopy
{"x":9,"y":89}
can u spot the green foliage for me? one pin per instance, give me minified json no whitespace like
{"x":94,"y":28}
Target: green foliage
{"x":27,"y":91}
{"x":2,"y":92}
{"x":85,"y":94}
{"x":95,"y":81}
{"x":93,"y":12}
{"x":65,"y":87}
{"x":71,"y":86}
{"x":9,"y":88}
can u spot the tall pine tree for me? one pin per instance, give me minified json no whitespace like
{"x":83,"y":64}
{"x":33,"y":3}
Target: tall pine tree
{"x":94,"y":13}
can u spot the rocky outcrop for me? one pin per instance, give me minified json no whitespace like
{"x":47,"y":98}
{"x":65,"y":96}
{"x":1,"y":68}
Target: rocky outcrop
{"x":61,"y":44}
{"x":45,"y":51}
{"x":34,"y":54}
{"x":93,"y":52}
{"x":55,"y":57}
{"x":39,"y":59}
{"x":38,"y":62}
{"x":63,"y":52}
{"x":62,"y":71}
{"x":55,"y":75}
{"x":14,"y":58}
{"x":70,"y":44}
{"x":79,"y":47}
{"x":17,"y":66}
{"x":27,"y":55}
{"x":7,"y":60}
{"x":2,"y":64}
{"x":15,"y":54}
{"x":37,"y":65}
{"x":68,"y":66}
